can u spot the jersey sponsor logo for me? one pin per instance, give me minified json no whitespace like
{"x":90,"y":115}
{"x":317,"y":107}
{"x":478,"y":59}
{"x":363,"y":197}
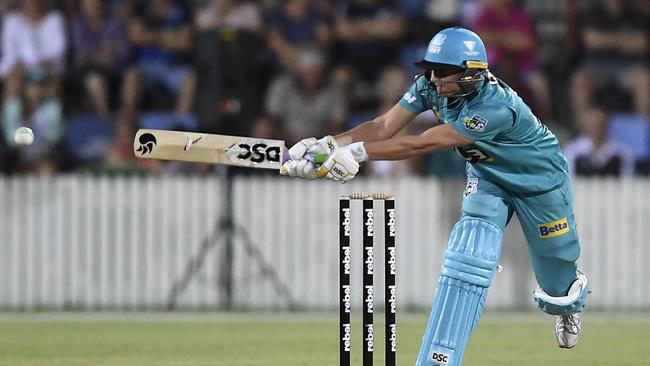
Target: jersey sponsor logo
{"x":553,"y":228}
{"x":476,"y":123}
{"x":472,"y":186}
{"x":409,"y":98}
{"x":473,"y":154}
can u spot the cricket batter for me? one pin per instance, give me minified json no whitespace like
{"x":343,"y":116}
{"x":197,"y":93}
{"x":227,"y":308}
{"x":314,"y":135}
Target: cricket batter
{"x":514,"y":165}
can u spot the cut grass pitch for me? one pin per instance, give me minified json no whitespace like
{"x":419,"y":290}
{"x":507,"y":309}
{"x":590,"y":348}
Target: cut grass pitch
{"x":301,"y":339}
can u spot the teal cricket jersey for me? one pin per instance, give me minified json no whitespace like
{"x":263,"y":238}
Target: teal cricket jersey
{"x":511,"y":148}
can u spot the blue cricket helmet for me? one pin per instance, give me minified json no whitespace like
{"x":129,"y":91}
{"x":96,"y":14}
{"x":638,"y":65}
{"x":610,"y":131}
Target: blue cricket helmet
{"x":455,"y":46}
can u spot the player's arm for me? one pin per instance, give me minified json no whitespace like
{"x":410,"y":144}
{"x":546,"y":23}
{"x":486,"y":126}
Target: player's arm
{"x":343,"y":163}
{"x":442,"y":137}
{"x":382,"y":127}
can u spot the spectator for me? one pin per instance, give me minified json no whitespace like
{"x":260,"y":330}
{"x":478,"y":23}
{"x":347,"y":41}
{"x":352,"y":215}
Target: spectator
{"x":427,"y":17}
{"x":100,"y":54}
{"x":593,"y":154}
{"x":369,"y":32}
{"x":616,"y":49}
{"x":509,"y":36}
{"x":234,"y":63}
{"x":235,"y":14}
{"x":162,"y":32}
{"x":303,"y":102}
{"x":297,"y":23}
{"x":33,"y":47}
{"x":33,"y":44}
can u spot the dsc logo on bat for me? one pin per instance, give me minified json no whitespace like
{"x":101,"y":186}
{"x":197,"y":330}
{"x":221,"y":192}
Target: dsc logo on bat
{"x":259,"y":152}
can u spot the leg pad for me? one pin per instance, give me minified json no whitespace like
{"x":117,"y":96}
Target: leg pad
{"x":470,"y":261}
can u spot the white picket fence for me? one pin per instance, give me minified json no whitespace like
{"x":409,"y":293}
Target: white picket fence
{"x":80,"y":242}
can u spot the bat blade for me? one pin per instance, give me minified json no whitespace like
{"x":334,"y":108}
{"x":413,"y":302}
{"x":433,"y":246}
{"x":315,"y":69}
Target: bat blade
{"x":209,"y":148}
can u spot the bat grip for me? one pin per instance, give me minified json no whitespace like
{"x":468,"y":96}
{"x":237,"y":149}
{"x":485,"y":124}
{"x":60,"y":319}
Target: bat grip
{"x":315,"y":158}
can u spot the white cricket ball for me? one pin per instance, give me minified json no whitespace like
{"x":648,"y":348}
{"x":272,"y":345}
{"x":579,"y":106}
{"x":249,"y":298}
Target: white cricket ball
{"x":24,"y":136}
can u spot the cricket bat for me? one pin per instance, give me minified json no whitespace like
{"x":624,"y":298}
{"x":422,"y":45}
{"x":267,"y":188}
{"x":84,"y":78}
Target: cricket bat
{"x":195,"y":147}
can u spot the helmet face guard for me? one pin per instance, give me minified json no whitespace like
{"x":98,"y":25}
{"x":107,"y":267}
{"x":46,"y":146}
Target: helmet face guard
{"x":468,"y":82}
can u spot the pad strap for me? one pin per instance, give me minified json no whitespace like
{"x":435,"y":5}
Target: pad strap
{"x":574,"y":302}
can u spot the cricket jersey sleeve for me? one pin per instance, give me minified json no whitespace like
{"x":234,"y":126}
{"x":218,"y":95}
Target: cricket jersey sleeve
{"x":416,"y":99}
{"x":484,"y":123}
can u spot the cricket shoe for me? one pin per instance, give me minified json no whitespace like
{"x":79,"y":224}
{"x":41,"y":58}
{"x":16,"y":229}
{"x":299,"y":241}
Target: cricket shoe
{"x":567,"y":330}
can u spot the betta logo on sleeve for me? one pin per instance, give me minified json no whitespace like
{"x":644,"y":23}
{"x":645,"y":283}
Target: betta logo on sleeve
{"x":554,"y":228}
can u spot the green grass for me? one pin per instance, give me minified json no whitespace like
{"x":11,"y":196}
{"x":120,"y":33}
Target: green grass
{"x":303,"y":339}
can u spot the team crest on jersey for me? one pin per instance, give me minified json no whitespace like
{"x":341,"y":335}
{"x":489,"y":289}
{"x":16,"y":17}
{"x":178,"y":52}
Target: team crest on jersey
{"x":472,"y":186}
{"x":476,"y":123}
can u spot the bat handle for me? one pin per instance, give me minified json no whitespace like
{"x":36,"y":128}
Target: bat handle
{"x":317,"y":158}
{"x":320,"y":158}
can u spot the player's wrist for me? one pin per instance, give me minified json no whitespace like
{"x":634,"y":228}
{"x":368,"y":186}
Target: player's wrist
{"x":358,"y":151}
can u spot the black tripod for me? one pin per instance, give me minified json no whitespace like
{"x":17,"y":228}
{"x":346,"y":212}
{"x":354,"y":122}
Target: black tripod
{"x":225,"y":232}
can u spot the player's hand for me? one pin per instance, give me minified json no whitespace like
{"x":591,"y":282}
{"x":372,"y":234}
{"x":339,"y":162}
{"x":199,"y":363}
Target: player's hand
{"x":301,"y":168}
{"x":310,"y":147}
{"x":343,"y":164}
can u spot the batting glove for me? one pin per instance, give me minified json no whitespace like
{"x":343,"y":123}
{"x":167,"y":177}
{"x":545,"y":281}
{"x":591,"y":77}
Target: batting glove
{"x":301,"y":168}
{"x":343,"y":164}
{"x":310,"y":147}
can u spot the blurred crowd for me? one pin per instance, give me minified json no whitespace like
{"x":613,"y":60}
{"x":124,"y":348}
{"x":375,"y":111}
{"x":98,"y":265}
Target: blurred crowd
{"x":85,"y":74}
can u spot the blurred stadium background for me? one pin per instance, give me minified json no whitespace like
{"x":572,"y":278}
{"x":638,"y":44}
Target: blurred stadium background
{"x":144,"y":249}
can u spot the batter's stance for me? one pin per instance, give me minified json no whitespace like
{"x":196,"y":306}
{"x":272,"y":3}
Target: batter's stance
{"x":515,"y":165}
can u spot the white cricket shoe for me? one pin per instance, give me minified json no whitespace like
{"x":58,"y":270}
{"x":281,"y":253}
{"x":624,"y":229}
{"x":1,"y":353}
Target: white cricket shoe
{"x":567,"y":330}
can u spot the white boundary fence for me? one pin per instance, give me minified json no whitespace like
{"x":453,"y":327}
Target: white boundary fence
{"x":78,"y":242}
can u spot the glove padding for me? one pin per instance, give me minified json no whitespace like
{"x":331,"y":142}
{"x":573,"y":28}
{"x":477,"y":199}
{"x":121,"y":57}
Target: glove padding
{"x":339,"y":166}
{"x":310,"y":147}
{"x":301,"y":168}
